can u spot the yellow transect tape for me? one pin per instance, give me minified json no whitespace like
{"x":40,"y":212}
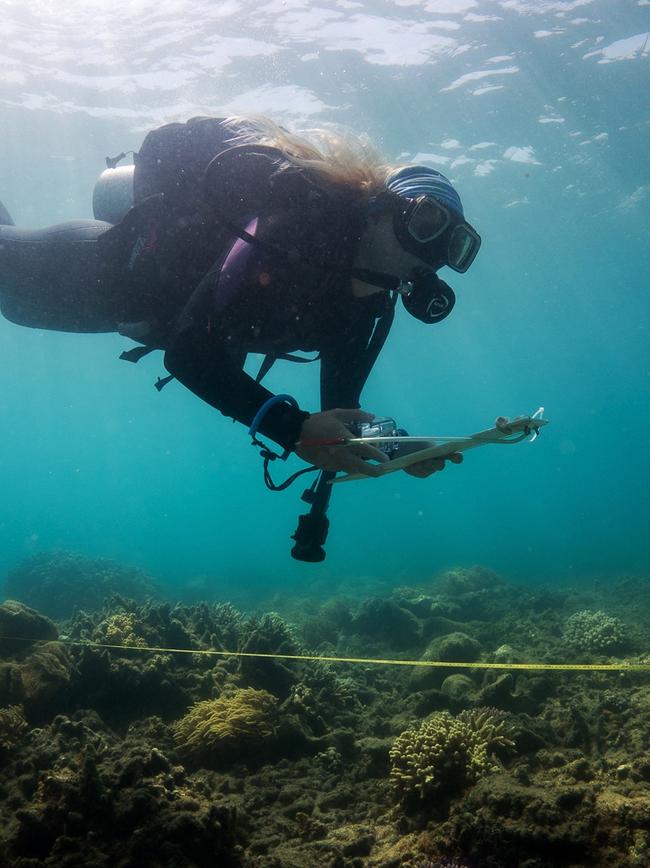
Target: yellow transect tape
{"x":442,"y":664}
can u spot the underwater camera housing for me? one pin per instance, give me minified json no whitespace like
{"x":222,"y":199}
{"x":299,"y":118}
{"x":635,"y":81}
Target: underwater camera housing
{"x":311,"y":534}
{"x":310,"y":537}
{"x":381,"y":426}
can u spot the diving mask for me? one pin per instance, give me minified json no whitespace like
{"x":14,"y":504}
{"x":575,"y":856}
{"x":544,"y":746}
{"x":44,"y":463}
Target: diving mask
{"x":434,"y":233}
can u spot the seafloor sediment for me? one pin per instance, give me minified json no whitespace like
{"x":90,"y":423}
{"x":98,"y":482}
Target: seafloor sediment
{"x":127,"y":756}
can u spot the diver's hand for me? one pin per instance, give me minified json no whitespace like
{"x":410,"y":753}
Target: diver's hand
{"x":425,"y":468}
{"x":322,"y":442}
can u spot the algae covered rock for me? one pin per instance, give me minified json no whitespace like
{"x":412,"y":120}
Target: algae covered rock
{"x":385,"y":621}
{"x":447,"y":753}
{"x":456,"y":648}
{"x":458,"y":687}
{"x":453,"y":648}
{"x":507,"y":654}
{"x":474,"y":592}
{"x":41,"y":682}
{"x":463,"y":580}
{"x":417,"y":602}
{"x":19,"y":623}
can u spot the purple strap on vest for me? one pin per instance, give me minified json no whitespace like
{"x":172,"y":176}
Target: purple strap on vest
{"x":233,"y":270}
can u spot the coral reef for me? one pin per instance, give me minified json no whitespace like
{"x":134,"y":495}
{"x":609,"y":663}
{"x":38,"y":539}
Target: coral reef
{"x":83,"y":797}
{"x":594,"y":632}
{"x":60,"y":583}
{"x":446,"y":753}
{"x":243,"y":720}
{"x":134,"y":756}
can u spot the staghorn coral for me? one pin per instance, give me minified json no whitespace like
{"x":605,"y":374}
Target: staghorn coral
{"x":12,"y":726}
{"x":596,"y":632}
{"x":243,"y":719}
{"x":446,"y":752}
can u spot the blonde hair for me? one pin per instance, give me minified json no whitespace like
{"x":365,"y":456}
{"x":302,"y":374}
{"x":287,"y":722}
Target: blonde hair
{"x":334,"y":158}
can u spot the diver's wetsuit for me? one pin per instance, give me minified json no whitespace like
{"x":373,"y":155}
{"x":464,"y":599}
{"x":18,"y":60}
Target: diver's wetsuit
{"x":173,"y":276}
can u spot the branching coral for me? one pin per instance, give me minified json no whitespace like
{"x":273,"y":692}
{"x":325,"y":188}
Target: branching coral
{"x":12,"y":726}
{"x":594,"y":631}
{"x":122,"y":629}
{"x":245,"y":718}
{"x":446,"y":752}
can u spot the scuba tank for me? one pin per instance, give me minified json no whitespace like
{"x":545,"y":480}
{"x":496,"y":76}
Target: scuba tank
{"x":113,"y":194}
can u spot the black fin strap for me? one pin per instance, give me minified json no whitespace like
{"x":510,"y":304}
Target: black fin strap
{"x":161,"y":382}
{"x":292,"y":357}
{"x":136,"y":354}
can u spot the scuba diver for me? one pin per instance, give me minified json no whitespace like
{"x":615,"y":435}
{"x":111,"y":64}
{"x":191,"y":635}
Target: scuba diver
{"x":230,"y":236}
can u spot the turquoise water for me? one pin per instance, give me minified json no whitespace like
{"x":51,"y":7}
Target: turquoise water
{"x":539,"y":113}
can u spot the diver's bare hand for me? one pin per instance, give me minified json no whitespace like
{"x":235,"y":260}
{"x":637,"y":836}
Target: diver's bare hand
{"x":323,"y":442}
{"x":432,"y":465}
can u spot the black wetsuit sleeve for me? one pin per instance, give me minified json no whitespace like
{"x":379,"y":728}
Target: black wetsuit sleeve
{"x":346,"y":362}
{"x":217,"y":376}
